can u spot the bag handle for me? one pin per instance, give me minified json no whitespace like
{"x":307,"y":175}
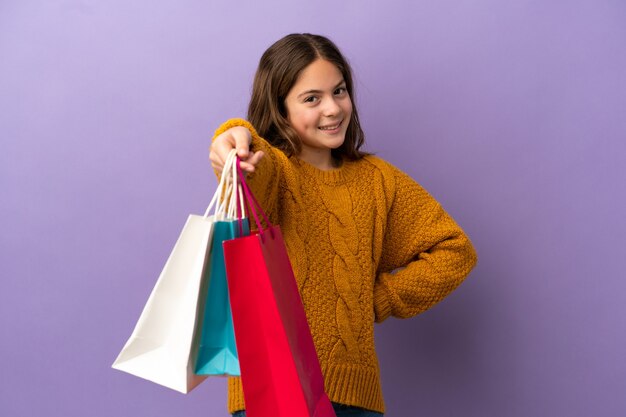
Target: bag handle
{"x":236,"y":204}
{"x":219,"y":199}
{"x":253,"y":204}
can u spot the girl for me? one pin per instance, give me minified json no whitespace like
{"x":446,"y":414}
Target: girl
{"x":365,"y":241}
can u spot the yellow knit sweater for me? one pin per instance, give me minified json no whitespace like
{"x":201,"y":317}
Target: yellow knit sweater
{"x":366,"y":242}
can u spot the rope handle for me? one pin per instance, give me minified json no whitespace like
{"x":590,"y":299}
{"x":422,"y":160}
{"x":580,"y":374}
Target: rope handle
{"x":253,"y":204}
{"x":236,"y":204}
{"x":227,"y":191}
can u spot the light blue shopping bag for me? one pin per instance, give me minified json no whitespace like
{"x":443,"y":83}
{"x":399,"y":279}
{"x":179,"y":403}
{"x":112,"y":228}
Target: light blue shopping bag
{"x":217,"y":351}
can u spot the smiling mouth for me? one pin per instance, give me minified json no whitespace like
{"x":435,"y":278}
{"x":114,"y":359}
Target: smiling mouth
{"x":330,"y":127}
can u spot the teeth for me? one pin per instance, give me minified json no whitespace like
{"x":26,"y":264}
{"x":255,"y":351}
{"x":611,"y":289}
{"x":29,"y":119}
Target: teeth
{"x":330,"y":127}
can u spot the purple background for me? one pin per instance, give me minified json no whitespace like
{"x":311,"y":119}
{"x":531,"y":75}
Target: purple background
{"x":512,"y":114}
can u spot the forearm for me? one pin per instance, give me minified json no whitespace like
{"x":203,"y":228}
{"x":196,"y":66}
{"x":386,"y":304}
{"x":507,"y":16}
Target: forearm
{"x":425,"y":281}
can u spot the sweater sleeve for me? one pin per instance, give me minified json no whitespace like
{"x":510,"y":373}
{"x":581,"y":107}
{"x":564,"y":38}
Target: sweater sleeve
{"x":264,"y":181}
{"x":425,"y":255}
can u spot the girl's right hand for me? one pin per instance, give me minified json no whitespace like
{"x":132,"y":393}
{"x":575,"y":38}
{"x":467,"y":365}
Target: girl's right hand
{"x":239,"y":138}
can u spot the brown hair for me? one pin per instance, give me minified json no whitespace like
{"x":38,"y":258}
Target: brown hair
{"x":278,"y":71}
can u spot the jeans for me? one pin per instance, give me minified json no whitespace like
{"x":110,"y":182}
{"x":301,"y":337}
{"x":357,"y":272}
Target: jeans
{"x":341,"y":411}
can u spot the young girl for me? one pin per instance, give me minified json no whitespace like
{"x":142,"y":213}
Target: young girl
{"x":365,"y":240}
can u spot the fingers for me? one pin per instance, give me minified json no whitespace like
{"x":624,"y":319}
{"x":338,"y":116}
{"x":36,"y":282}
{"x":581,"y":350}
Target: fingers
{"x":242,"y":139}
{"x":234,"y":138}
{"x":249,"y":164}
{"x":215,"y":156}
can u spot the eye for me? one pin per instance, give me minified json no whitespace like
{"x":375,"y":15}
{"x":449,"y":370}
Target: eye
{"x":310,"y":99}
{"x":340,"y":91}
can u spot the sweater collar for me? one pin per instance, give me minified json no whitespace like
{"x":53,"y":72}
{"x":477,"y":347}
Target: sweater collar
{"x":336,"y":176}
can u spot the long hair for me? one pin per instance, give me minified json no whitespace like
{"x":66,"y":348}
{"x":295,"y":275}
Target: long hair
{"x":278,"y":71}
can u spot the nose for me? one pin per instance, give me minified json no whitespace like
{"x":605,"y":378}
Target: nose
{"x":332,"y":108}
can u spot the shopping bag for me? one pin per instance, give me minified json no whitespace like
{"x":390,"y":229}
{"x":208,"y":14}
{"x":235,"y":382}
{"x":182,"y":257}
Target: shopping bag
{"x":164,"y":344}
{"x":217,"y":351}
{"x":280,"y":371}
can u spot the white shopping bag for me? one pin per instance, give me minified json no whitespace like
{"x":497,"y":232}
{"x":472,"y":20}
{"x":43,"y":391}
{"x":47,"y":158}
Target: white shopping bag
{"x":163,"y":346}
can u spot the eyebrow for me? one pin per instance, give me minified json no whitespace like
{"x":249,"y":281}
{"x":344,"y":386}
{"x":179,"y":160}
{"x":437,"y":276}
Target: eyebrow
{"x":319,"y":91}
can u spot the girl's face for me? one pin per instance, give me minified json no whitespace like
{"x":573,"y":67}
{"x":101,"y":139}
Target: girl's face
{"x":319,"y":108}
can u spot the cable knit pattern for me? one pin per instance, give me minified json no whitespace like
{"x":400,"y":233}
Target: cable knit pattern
{"x":346,"y":271}
{"x":366,"y":242}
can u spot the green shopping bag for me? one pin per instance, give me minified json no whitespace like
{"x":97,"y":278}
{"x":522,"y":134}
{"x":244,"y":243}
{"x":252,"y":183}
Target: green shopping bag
{"x":217,"y":352}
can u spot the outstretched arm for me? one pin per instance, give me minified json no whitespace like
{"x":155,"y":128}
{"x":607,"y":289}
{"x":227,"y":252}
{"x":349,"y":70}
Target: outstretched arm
{"x":260,"y":160}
